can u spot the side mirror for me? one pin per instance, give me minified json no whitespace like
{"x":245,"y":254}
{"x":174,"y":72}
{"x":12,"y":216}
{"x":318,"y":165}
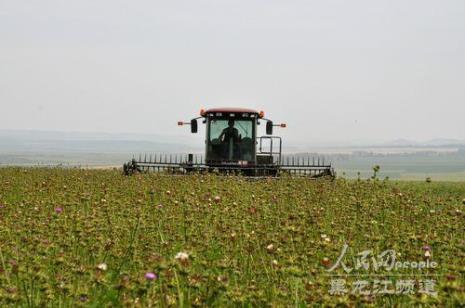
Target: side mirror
{"x":194,"y":126}
{"x":269,"y":127}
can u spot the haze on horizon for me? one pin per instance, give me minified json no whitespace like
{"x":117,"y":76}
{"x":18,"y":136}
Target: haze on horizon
{"x":332,"y":70}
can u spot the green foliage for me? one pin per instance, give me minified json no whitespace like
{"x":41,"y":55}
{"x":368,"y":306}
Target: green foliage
{"x":375,"y":171}
{"x":88,"y":237}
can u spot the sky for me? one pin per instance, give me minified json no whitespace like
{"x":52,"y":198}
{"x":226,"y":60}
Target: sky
{"x":334,"y":71}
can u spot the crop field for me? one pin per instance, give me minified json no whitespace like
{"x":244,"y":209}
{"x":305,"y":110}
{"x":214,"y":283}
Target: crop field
{"x":71,"y":237}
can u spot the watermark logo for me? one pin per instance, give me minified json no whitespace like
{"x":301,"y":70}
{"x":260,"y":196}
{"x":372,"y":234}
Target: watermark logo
{"x":381,"y":274}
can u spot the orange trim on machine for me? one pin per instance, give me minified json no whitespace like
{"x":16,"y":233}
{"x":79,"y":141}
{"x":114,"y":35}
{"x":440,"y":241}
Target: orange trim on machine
{"x":231,"y":110}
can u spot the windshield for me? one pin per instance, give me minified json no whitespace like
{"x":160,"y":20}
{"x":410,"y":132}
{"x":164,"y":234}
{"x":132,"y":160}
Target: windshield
{"x":230,"y":140}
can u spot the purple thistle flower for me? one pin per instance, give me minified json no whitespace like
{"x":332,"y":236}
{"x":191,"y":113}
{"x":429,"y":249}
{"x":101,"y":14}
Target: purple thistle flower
{"x":427,"y":248}
{"x":150,"y":276}
{"x":83,"y":298}
{"x":58,"y":210}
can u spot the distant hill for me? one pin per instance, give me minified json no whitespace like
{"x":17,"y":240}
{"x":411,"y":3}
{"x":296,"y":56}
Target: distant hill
{"x":50,"y":141}
{"x":31,"y":141}
{"x":440,"y":142}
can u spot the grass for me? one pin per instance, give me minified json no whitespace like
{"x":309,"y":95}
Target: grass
{"x":88,"y":237}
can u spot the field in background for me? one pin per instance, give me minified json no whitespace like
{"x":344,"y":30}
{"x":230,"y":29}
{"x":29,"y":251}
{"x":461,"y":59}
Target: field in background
{"x":439,"y":159}
{"x":73,"y":237}
{"x":413,"y":166}
{"x":448,"y":166}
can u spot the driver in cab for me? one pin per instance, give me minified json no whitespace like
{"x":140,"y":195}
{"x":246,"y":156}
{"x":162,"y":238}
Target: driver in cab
{"x":230,"y":133}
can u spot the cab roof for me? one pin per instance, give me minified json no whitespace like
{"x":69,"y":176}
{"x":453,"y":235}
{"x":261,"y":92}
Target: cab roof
{"x":231,"y":110}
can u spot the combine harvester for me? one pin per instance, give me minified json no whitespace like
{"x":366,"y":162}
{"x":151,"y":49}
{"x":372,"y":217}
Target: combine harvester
{"x":233,"y":147}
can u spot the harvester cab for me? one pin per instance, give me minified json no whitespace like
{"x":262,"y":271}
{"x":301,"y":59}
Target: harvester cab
{"x":231,"y":138}
{"x":232,"y":145}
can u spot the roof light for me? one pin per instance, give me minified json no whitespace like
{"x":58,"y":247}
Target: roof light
{"x":261,"y":114}
{"x":180,"y":123}
{"x":283,"y":125}
{"x":202,"y":112}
